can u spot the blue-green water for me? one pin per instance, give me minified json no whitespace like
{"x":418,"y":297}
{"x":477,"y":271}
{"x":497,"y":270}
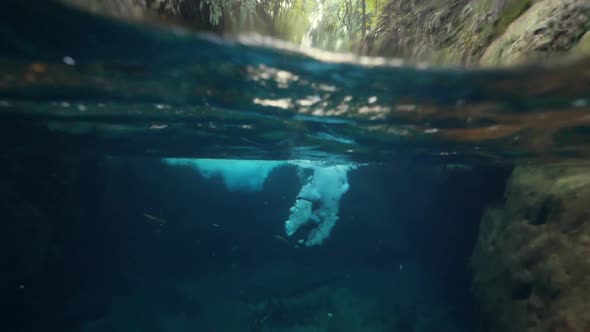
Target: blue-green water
{"x":148,"y":90}
{"x":108,"y":230}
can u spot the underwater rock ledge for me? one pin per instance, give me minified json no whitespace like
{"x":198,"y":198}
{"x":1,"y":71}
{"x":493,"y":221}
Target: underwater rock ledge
{"x":531,"y":264}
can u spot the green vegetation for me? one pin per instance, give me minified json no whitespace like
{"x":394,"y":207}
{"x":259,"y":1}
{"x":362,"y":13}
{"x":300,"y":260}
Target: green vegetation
{"x":328,"y":24}
{"x":512,"y":12}
{"x":343,"y":24}
{"x":467,"y":32}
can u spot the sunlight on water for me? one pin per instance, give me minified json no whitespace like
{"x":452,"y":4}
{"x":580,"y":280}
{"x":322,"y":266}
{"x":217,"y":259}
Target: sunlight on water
{"x":255,"y":97}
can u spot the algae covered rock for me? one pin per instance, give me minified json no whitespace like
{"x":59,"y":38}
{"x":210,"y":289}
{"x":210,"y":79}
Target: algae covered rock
{"x":531,"y":263}
{"x":582,"y":49}
{"x":483,"y":32}
{"x":547,"y":28}
{"x":456,"y":32}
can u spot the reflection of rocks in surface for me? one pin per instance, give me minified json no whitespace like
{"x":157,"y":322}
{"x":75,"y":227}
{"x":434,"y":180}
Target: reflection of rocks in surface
{"x":531,"y":263}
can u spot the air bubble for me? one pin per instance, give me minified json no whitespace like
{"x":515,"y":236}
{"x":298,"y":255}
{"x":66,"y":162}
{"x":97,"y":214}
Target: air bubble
{"x":68,"y":60}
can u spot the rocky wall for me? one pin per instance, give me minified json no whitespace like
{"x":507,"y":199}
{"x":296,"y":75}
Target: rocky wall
{"x":532,"y":258}
{"x":480,"y":32}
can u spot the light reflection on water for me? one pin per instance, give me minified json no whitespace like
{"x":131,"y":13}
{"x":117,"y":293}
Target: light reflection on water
{"x":195,"y":96}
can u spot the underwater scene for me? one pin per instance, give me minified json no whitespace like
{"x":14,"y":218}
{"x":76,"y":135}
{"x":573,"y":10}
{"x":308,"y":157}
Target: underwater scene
{"x":295,"y":165}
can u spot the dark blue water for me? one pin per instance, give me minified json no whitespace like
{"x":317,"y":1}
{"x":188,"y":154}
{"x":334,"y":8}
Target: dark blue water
{"x":398,"y":260}
{"x":103,"y":235}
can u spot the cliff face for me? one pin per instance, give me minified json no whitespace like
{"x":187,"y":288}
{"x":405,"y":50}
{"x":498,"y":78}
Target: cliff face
{"x":531,"y":262}
{"x":480,"y":32}
{"x":547,"y":28}
{"x":469,"y":32}
{"x":436,"y":30}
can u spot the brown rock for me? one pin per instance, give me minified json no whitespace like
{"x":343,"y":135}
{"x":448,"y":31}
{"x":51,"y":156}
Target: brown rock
{"x":548,"y":28}
{"x":531,"y":262}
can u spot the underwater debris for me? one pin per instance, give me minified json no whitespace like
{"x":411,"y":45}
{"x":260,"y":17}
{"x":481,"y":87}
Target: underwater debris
{"x":282,"y":239}
{"x":154,"y":219}
{"x":158,"y":126}
{"x":157,"y":222}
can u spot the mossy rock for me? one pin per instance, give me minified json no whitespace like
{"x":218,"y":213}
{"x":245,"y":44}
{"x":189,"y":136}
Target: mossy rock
{"x":582,"y":48}
{"x":530,"y":262}
{"x":547,"y":29}
{"x":439,"y":32}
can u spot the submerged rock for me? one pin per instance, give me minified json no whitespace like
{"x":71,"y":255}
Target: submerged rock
{"x":531,"y":263}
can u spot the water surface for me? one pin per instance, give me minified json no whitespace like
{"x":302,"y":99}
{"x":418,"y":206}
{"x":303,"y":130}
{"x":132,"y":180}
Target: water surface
{"x":79,"y":81}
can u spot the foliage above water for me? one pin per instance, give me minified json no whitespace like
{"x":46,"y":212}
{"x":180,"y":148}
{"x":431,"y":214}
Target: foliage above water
{"x":329,"y":24}
{"x":465,"y":32}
